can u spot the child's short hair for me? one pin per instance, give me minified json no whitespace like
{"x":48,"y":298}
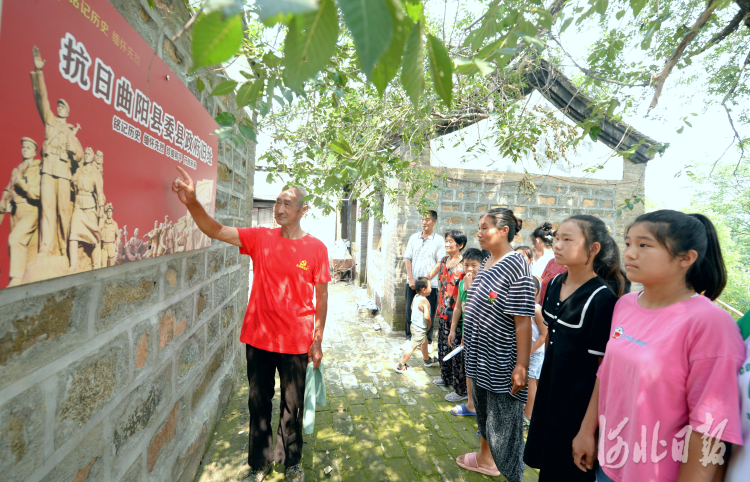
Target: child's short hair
{"x":473,"y":254}
{"x":537,"y":283}
{"x":421,"y":284}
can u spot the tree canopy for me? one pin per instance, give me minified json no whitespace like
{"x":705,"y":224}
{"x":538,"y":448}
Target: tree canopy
{"x":341,"y":85}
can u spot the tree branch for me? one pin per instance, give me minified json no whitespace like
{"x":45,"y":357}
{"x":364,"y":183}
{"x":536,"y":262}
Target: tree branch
{"x":729,"y":116}
{"x":188,"y":24}
{"x":659,"y":79}
{"x":726,"y":31}
{"x":588,"y":73}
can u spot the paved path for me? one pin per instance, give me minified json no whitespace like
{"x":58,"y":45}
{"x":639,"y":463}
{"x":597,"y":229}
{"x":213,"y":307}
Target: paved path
{"x":379,"y":425}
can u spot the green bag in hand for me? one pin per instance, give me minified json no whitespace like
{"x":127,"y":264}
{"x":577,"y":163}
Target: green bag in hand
{"x":315,"y":393}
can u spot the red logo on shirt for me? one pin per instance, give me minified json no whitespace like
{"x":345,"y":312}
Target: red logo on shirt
{"x":302,"y":264}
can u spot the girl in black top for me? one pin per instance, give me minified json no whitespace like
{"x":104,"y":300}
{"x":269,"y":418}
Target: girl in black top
{"x":577,"y":309}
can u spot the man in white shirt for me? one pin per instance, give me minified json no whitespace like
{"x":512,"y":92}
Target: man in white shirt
{"x":423,"y":252}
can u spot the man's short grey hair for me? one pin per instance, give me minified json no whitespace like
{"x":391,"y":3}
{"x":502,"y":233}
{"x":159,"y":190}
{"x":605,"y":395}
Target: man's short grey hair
{"x":301,"y":195}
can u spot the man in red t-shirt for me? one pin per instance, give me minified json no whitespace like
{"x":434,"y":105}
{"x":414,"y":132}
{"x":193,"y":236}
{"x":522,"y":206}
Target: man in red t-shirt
{"x":283,"y":329}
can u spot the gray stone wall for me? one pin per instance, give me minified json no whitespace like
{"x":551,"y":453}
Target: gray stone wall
{"x":120,"y":374}
{"x":465,"y":194}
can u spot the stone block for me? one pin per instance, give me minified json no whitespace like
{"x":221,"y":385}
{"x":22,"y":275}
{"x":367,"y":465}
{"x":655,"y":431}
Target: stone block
{"x":187,"y":462}
{"x":143,"y":343}
{"x":86,"y":386}
{"x":231,"y":256}
{"x":203,"y":304}
{"x":22,"y":440}
{"x":539,"y":213}
{"x":589,"y":203}
{"x":173,"y":276}
{"x":452,"y":207}
{"x":86,"y":462}
{"x":126,"y":294}
{"x":213,"y":330}
{"x":174,"y":320}
{"x":162,"y":438}
{"x":545,"y":200}
{"x":190,"y":356}
{"x":36,"y":331}
{"x":223,"y":203}
{"x":195,"y":269}
{"x":202,"y":387}
{"x":227,"y":315}
{"x":467,"y":196}
{"x":454,"y":220}
{"x":225,"y":174}
{"x":223,"y":287}
{"x":215,"y":262}
{"x":137,"y":412}
{"x":135,"y":472}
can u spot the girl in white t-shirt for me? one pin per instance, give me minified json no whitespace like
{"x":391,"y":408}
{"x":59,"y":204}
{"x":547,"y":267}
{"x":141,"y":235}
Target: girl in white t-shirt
{"x":541,"y":244}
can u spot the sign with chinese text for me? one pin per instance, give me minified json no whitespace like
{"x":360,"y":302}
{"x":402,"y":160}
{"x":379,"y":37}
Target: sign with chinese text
{"x":95,"y":124}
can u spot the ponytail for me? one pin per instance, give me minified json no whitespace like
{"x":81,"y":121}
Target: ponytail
{"x":607,"y":261}
{"x":679,"y":233}
{"x":708,"y":275}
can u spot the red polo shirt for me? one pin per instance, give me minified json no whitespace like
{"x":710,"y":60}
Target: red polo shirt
{"x":280,"y":315}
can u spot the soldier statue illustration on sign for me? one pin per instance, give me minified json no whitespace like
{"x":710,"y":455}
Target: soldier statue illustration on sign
{"x":60,"y":220}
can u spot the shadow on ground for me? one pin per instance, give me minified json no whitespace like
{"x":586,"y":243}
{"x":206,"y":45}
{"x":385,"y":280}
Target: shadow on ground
{"x":378,"y":425}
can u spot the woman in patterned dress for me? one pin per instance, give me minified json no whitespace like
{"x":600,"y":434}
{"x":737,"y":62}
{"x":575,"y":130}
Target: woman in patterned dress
{"x":451,"y":271}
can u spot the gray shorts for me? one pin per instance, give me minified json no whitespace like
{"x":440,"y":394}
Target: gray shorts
{"x":535,"y":364}
{"x":418,"y":336}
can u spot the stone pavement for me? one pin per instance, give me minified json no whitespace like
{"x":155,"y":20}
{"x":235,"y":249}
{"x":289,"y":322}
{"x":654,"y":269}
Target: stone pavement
{"x":379,"y":425}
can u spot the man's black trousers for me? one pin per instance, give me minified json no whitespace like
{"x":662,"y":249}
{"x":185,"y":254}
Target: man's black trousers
{"x":261,"y":371}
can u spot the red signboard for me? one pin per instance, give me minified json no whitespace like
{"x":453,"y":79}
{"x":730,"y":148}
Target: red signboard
{"x":94,"y":125}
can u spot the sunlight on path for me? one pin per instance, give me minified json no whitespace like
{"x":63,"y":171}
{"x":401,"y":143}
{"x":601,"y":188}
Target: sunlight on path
{"x":378,"y":426}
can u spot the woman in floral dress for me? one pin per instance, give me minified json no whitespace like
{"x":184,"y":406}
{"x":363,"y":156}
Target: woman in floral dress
{"x":451,"y":271}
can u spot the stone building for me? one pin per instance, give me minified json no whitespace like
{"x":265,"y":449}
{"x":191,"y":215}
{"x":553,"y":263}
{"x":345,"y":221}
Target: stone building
{"x":467,"y":189}
{"x":121,"y":374}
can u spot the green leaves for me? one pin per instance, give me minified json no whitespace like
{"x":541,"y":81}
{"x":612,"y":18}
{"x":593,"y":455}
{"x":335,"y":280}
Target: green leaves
{"x":226,"y":87}
{"x":341,"y":147}
{"x":388,"y":64}
{"x":637,"y":6}
{"x":601,"y":6}
{"x":248,"y":133}
{"x":226,"y":119}
{"x":441,"y":68}
{"x":274,"y":11}
{"x":369,"y":22}
{"x":310,"y":43}
{"x":215,"y":39}
{"x":412,"y":73}
{"x":545,"y":18}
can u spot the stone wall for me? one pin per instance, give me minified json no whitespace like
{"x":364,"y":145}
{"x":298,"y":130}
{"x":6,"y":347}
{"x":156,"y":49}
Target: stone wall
{"x":465,"y":194}
{"x":120,"y":374}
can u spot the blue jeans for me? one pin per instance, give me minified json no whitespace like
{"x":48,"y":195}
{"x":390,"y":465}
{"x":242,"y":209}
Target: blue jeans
{"x":601,"y":476}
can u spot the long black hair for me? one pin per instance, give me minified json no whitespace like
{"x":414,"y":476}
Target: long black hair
{"x":545,"y":233}
{"x":680,"y":233}
{"x":502,"y":217}
{"x":607,"y":261}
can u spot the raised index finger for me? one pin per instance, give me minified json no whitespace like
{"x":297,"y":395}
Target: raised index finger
{"x":185,"y":175}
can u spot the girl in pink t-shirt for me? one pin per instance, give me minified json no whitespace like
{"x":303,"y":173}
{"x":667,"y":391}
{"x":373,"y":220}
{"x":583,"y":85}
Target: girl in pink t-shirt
{"x":665,"y":401}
